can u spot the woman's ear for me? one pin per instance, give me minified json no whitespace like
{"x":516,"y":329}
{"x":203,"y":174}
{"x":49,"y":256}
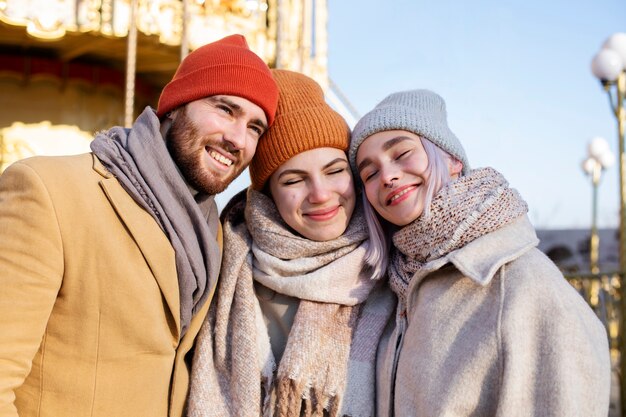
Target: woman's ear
{"x":455,"y":167}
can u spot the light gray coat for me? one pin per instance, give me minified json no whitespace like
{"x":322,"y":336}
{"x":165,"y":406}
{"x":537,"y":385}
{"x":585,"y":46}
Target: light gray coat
{"x":493,"y":329}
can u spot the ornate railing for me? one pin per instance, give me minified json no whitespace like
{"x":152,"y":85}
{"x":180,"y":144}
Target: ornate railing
{"x":603,"y":293}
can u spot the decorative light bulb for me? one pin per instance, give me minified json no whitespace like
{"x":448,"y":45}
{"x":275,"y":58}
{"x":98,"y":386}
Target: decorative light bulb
{"x":588,"y":165}
{"x":606,"y":65}
{"x":597,"y":147}
{"x":617,"y":43}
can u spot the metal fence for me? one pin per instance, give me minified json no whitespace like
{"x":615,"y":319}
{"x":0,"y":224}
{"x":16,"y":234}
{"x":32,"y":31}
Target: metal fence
{"x":603,"y":293}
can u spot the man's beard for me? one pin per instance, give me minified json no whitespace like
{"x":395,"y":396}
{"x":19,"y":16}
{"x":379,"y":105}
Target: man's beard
{"x":186,"y":148}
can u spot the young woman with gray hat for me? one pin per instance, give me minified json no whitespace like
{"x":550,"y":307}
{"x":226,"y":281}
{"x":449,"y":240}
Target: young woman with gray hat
{"x":486,"y":325}
{"x":296,"y":320}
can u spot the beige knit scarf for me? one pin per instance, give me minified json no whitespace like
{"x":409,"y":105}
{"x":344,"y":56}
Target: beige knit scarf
{"x":328,"y":366}
{"x":462,"y":211}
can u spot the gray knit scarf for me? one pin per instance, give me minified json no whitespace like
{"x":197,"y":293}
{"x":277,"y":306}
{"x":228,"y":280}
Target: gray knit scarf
{"x":140,"y":161}
{"x":462,"y":211}
{"x":328,"y":367}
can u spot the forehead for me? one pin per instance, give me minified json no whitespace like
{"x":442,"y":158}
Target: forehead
{"x":384,"y":141}
{"x":312,"y":159}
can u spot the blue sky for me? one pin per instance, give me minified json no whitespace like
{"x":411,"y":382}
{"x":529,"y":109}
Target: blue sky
{"x":516,"y":78}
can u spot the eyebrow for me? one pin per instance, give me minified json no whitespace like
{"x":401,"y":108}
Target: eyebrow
{"x":386,"y":146}
{"x":302,"y":172}
{"x":236,"y":108}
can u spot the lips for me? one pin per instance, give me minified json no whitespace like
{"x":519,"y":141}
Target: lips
{"x":219,"y":158}
{"x":323,"y":214}
{"x":399,"y":195}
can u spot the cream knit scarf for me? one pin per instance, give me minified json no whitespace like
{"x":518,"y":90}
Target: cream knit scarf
{"x":462,"y":211}
{"x":328,"y":366}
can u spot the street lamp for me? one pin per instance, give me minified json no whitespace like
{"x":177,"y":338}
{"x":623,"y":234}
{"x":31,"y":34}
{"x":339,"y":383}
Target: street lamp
{"x":609,"y":66}
{"x":599,"y":158}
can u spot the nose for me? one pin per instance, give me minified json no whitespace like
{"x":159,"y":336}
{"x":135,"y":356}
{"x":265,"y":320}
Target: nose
{"x":236,"y":136}
{"x":319,"y":191}
{"x":388,"y":176}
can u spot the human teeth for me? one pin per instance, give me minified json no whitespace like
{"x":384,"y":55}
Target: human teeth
{"x":400,"y":194}
{"x":221,"y":158}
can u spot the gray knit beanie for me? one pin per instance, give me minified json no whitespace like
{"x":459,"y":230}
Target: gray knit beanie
{"x":417,"y":111}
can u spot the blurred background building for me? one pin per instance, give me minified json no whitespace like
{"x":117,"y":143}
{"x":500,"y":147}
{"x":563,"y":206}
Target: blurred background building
{"x":69,"y":68}
{"x":570,"y":249}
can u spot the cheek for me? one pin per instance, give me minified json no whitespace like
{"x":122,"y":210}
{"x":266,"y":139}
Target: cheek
{"x":349,"y":197}
{"x":371,"y":192}
{"x":251,"y":148}
{"x":345,"y":187}
{"x":421,"y":165}
{"x":288,"y":204}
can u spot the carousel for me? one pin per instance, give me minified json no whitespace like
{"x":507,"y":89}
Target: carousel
{"x":69,"y":68}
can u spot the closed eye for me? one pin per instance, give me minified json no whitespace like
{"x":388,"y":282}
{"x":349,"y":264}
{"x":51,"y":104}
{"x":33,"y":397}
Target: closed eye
{"x":256,"y":129}
{"x":336,"y":171}
{"x":368,"y":175}
{"x":292,"y":181}
{"x":225,"y":109}
{"x":403,"y":154}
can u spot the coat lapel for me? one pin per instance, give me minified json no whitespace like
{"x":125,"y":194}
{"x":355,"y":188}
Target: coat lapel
{"x":151,"y":240}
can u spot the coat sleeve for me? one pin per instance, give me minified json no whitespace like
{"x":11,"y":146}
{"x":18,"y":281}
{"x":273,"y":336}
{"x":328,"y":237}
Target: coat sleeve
{"x":554,"y":350}
{"x":31,"y":270}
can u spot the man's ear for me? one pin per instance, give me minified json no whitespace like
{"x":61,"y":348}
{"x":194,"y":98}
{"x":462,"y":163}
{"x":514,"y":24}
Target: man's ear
{"x":455,"y":167}
{"x":166,"y":123}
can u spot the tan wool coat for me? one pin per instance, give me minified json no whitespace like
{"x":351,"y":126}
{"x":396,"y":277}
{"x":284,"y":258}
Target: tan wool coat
{"x":89,"y":302}
{"x":493,"y":329}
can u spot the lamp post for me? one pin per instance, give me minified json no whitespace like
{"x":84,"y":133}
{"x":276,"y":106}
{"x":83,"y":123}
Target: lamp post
{"x":599,"y":158}
{"x":609,"y":66}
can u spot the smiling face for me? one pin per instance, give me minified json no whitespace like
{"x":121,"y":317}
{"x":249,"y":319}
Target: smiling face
{"x":314,"y":193}
{"x":212,"y":140}
{"x":393,"y":166}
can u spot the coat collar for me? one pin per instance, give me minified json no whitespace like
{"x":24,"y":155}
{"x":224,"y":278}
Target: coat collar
{"x":480,"y":259}
{"x":151,"y":240}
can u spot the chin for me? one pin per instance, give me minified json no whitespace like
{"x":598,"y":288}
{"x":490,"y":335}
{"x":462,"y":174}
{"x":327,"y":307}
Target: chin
{"x":331,"y":234}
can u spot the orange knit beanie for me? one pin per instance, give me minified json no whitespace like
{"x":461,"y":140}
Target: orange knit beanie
{"x":226,"y":66}
{"x":303,"y":122}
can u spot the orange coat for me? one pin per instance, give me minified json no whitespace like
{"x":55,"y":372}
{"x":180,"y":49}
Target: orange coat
{"x":89,"y":302}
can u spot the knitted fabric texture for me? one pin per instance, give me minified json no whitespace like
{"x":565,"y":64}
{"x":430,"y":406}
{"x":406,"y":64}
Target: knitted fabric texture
{"x":331,"y":350}
{"x":303,"y":122}
{"x":462,"y":211}
{"x":421,"y":112}
{"x":227,"y":67}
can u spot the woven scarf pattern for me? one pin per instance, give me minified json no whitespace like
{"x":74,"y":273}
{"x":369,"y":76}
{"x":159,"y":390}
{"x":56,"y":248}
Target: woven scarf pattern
{"x":140,"y":161}
{"x":462,"y":211}
{"x":331,"y":349}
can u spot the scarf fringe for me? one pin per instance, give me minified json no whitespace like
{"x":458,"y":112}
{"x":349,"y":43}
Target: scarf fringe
{"x":233,"y":373}
{"x":296,"y":399}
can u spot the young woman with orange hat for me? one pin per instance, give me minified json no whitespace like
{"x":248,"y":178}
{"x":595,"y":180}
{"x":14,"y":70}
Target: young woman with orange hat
{"x":296,"y":319}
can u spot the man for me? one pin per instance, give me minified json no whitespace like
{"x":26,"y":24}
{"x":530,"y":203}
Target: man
{"x":108,"y":260}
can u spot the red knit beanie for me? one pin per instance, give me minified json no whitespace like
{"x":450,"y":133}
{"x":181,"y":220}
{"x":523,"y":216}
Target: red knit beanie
{"x":303,"y":122}
{"x":226,"y":67}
